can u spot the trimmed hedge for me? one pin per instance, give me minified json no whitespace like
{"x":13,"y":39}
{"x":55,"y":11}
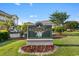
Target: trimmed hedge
{"x":4,"y":36}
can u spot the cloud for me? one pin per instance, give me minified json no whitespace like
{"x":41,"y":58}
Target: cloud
{"x":20,"y":22}
{"x":21,"y":4}
{"x":30,"y":4}
{"x":33,"y":16}
{"x":17,"y":4}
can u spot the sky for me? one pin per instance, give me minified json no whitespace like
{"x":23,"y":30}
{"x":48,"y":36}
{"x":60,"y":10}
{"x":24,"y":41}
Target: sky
{"x":33,"y":12}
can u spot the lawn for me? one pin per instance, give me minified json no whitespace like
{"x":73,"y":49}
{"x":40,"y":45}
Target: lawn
{"x":67,"y":46}
{"x":76,"y":33}
{"x":10,"y":48}
{"x":67,"y":40}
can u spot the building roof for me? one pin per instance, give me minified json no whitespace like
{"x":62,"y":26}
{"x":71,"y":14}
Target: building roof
{"x":4,"y":13}
{"x":46,"y":22}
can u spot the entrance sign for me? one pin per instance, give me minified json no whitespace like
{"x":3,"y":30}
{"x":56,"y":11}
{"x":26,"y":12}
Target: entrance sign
{"x":39,"y":31}
{"x":39,"y":34}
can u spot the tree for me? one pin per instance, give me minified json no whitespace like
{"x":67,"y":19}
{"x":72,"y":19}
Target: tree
{"x":2,"y":25}
{"x":18,"y":27}
{"x":72,"y":25}
{"x":59,"y":29}
{"x":10,"y":23}
{"x":59,"y":18}
{"x":24,"y":27}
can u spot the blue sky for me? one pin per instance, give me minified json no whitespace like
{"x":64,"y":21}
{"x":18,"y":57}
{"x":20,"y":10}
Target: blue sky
{"x":39,"y":11}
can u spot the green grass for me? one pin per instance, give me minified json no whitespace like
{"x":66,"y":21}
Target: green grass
{"x":6,"y":42}
{"x":66,"y":51}
{"x":68,"y":46}
{"x":10,"y":48}
{"x":67,"y":40}
{"x":69,"y":49}
{"x":76,"y":33}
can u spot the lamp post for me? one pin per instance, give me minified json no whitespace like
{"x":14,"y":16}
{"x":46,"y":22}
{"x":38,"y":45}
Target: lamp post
{"x":27,"y":31}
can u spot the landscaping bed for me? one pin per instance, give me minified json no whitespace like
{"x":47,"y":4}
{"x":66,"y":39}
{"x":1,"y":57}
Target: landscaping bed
{"x":57,"y":36}
{"x":37,"y":48}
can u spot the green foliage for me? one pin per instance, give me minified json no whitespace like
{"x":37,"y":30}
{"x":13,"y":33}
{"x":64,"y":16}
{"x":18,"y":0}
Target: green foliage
{"x":3,"y":31}
{"x":4,"y":36}
{"x":9,"y":23}
{"x":18,"y":27}
{"x":1,"y":23}
{"x":23,"y":28}
{"x":59,"y":17}
{"x":58,"y":29}
{"x":71,"y":25}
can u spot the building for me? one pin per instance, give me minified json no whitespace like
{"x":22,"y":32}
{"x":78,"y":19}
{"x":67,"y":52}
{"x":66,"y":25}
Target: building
{"x":47,"y":22}
{"x":5,"y":16}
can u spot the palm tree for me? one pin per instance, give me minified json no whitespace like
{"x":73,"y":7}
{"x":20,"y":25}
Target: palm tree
{"x":58,"y":17}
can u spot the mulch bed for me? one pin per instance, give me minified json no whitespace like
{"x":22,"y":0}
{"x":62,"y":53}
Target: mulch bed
{"x":57,"y":36}
{"x":19,"y":38}
{"x":38,"y":48}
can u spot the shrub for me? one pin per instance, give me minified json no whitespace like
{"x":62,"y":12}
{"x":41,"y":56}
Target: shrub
{"x":3,"y":31}
{"x":4,"y":35}
{"x":59,"y":29}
